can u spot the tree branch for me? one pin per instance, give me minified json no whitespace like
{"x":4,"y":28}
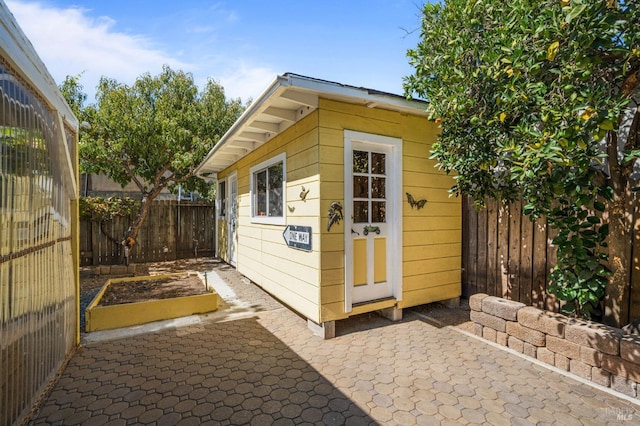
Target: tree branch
{"x":129,"y":170}
{"x":631,"y":83}
{"x":185,"y":177}
{"x":157,"y":180}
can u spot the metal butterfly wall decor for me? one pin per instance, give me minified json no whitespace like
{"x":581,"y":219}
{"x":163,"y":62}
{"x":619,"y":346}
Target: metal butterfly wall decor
{"x":304,"y":193}
{"x":335,"y":214}
{"x":413,"y":203}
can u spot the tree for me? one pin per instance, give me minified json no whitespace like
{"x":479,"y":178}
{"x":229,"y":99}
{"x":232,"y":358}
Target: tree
{"x":153,"y":133}
{"x":531,"y":95}
{"x":76,"y":98}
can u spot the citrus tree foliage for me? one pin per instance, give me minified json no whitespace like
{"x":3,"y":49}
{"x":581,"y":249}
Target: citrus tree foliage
{"x":530,"y":95}
{"x":153,"y":133}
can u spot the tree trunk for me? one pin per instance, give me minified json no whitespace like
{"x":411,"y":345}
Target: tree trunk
{"x":622,"y":214}
{"x":129,"y":241}
{"x":621,"y":220}
{"x":134,"y":229}
{"x":617,"y":291}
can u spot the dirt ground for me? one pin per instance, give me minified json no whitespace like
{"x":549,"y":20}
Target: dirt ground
{"x":89,"y":280}
{"x":119,"y":293}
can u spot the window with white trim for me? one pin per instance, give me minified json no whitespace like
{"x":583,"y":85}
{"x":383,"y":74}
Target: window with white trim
{"x":268,"y":183}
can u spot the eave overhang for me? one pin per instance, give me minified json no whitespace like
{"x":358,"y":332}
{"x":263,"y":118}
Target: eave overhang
{"x":287,"y":100}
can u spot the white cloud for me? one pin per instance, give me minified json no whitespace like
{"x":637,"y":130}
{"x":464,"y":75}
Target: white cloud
{"x":246,"y":82}
{"x":70,"y":41}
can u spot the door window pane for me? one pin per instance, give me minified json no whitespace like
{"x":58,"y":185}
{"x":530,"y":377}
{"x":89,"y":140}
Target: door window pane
{"x":360,"y":162}
{"x":378,"y":212}
{"x":360,"y":211}
{"x":378,"y":163}
{"x":360,"y":186}
{"x":378,"y":189}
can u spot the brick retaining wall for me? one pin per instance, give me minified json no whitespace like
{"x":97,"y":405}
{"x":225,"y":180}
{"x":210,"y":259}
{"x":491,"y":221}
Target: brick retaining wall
{"x":596,"y":352}
{"x":115,"y":269}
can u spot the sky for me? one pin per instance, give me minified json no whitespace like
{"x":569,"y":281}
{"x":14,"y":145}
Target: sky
{"x":243,"y":44}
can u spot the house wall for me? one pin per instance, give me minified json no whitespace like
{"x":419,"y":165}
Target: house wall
{"x":291,"y":275}
{"x":431,"y":236}
{"x":99,"y":185}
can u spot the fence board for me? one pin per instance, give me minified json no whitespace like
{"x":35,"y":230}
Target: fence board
{"x":513,"y":263}
{"x":526,"y":260}
{"x":482,"y":247}
{"x":539,"y":261}
{"x":493,"y":278}
{"x":472,"y":224}
{"x":506,"y":255}
{"x":170,"y":224}
{"x":502,"y":271}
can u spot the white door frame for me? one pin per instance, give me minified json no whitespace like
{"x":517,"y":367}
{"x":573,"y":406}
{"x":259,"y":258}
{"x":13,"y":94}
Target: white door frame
{"x":221,"y":205}
{"x":232,"y":219}
{"x":394,"y":213}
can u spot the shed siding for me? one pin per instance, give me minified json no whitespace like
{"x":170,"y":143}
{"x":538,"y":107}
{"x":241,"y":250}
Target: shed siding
{"x":313,"y":283}
{"x":335,"y":118}
{"x":431,"y":236}
{"x":291,"y":275}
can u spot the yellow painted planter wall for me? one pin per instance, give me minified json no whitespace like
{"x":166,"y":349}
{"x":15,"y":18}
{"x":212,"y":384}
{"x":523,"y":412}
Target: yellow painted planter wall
{"x":129,"y":314}
{"x":313,"y":283}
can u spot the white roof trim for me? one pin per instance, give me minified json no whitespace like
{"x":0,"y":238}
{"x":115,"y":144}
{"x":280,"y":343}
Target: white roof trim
{"x":288,"y":99}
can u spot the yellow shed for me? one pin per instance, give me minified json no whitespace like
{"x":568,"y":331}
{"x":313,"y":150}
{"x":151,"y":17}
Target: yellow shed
{"x":327,"y":199}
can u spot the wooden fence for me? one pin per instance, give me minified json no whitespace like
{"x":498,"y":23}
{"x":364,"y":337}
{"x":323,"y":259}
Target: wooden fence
{"x":172,"y":231}
{"x":505,"y":254}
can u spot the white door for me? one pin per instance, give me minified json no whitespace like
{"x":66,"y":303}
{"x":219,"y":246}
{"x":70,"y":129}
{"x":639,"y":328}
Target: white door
{"x":372,"y":217}
{"x":232,"y":218}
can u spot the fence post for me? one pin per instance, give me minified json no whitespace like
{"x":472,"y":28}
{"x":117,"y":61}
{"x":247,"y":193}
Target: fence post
{"x":95,"y":243}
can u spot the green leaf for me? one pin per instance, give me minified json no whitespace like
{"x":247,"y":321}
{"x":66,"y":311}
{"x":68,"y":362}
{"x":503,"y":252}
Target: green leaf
{"x":606,"y":125}
{"x":569,"y":307}
{"x":594,"y":220}
{"x":575,"y":12}
{"x":603,"y":231}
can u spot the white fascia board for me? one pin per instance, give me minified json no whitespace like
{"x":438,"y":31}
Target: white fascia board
{"x":366,"y":95}
{"x":240,"y":123}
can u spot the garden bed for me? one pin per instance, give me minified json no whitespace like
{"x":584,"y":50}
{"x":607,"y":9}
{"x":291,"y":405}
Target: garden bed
{"x":124,"y":302}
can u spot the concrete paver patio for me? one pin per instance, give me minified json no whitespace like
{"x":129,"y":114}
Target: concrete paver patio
{"x":256,"y":362}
